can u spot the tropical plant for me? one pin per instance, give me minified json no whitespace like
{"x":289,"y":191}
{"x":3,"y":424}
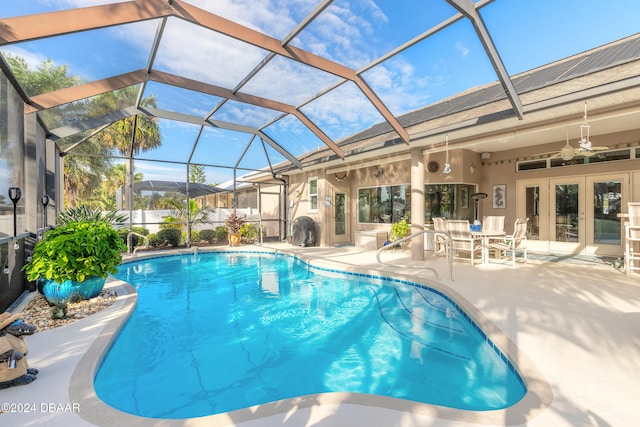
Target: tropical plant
{"x":197,"y":174}
{"x":195,"y":215}
{"x":400,"y":230}
{"x":85,"y":213}
{"x":76,"y":251}
{"x":104,"y":197}
{"x":171,"y":221}
{"x":120,"y":135}
{"x":249,"y":232}
{"x":83,"y":174}
{"x":234,"y":222}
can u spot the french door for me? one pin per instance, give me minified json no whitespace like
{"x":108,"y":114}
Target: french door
{"x":340,"y":233}
{"x":574,"y":214}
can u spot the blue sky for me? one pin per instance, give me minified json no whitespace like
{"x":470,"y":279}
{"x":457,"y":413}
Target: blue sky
{"x":354,"y":33}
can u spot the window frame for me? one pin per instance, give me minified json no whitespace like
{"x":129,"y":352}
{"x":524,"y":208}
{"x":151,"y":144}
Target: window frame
{"x":312,"y":196}
{"x":392,"y":204}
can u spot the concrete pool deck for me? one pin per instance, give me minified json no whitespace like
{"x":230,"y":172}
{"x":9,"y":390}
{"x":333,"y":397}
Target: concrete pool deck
{"x":573,"y":328}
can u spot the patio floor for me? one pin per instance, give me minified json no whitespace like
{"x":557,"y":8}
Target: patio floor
{"x":575,"y":324}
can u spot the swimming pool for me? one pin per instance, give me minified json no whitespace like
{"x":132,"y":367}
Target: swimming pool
{"x":217,"y":332}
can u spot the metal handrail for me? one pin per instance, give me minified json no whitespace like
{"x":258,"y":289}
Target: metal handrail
{"x":20,"y":236}
{"x":130,"y":241}
{"x":419,"y":233}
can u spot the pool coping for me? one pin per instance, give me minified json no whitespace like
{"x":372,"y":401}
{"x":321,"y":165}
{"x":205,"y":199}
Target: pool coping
{"x":537,"y":399}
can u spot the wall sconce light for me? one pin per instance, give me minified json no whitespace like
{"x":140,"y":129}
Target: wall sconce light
{"x":472,"y":168}
{"x":447,"y":165}
{"x":378,"y":172}
{"x":14,"y":194}
{"x":296,"y":193}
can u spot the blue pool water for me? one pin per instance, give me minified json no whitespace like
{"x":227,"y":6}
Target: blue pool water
{"x":217,"y":332}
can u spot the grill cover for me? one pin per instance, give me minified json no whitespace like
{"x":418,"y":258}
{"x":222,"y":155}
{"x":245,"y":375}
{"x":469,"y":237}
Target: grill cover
{"x":304,"y":232}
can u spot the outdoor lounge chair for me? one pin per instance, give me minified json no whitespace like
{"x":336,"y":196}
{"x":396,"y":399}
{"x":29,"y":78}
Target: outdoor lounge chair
{"x":632,"y":238}
{"x":511,"y":244}
{"x":464,"y":245}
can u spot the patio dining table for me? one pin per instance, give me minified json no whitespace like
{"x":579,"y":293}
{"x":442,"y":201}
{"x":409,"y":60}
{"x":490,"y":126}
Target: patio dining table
{"x":485,"y":235}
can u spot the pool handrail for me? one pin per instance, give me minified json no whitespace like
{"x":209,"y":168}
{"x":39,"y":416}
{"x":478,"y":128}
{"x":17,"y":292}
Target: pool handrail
{"x":420,"y":233}
{"x":130,"y":242}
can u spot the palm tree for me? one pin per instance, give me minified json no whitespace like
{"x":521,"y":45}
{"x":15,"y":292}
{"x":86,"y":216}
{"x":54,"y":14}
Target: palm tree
{"x":197,"y":174}
{"x":82,"y":177}
{"x":47,"y":76}
{"x":113,"y":180}
{"x":195,"y":215}
{"x":119,"y":134}
{"x":82,"y":174}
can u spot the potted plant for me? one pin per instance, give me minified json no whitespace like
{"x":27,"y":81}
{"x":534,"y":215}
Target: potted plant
{"x":400,"y":230}
{"x":74,"y":260}
{"x":234,"y":223}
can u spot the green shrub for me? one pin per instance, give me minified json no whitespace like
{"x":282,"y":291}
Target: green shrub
{"x":249,"y":232}
{"x":170,"y":235}
{"x":135,"y":240}
{"x":220,"y":233}
{"x":208,"y":235}
{"x":195,"y":236}
{"x":400,"y":230}
{"x":153,"y":240}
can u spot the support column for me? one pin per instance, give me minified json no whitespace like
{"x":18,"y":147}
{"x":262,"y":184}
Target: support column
{"x":417,"y":203}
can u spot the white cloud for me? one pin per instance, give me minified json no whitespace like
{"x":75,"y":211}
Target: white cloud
{"x":33,"y":59}
{"x":346,"y":32}
{"x":462,"y":48}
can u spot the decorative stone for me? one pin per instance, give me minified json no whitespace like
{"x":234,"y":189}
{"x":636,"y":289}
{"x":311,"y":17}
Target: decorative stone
{"x":38,"y":313}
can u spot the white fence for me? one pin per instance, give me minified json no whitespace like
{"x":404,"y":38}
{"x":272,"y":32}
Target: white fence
{"x":151,"y":219}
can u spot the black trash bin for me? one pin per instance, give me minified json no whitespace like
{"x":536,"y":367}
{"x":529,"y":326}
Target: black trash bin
{"x":304,"y":232}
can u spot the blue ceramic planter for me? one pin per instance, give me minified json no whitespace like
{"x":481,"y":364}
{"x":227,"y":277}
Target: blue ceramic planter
{"x":56,"y":293}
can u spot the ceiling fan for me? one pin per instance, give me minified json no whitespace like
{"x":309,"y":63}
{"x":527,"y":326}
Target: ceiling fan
{"x":585,"y":148}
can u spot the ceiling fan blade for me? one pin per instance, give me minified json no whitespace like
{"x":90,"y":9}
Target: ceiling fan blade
{"x":555,"y":156}
{"x":599,"y":148}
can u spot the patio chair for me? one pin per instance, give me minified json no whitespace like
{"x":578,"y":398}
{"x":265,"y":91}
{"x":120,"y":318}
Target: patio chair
{"x":493,"y":223}
{"x":511,"y":244}
{"x":440,"y":240}
{"x":464,"y":245}
{"x":632,"y":238}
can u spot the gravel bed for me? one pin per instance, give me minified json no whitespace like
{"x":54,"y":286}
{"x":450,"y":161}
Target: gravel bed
{"x":38,"y":313}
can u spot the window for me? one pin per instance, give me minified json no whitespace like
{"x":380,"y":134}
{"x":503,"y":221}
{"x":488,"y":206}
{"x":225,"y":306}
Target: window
{"x":531,"y":165}
{"x":595,"y":157}
{"x":452,"y":201}
{"x":313,"y":194}
{"x":385,"y":204}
